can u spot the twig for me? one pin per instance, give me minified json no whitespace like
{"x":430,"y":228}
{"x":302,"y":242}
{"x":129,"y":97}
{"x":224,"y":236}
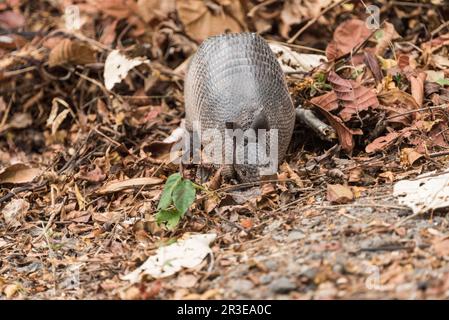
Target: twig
{"x":311,"y":22}
{"x":441,"y":27}
{"x":50,"y":220}
{"x":442,"y":106}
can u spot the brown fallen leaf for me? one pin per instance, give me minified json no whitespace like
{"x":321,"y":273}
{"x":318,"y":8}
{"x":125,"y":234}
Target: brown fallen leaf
{"x":202,"y":19}
{"x":409,"y":156}
{"x":373,"y":64}
{"x":18,"y":173}
{"x":384,"y":37}
{"x":11,"y":20}
{"x":337,"y":193}
{"x":14,"y":212}
{"x":95,"y":175}
{"x":296,"y":11}
{"x":353,"y":96}
{"x":79,"y":216}
{"x":346,"y":37}
{"x":71,"y":51}
{"x":383,"y":142}
{"x":119,"y":185}
{"x":417,"y":84}
{"x":119,"y":9}
{"x":345,"y":135}
{"x":327,"y":101}
{"x":151,"y":10}
{"x":397,"y":102}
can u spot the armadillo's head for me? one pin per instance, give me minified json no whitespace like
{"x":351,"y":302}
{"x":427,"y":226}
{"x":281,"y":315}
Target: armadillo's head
{"x":256,"y":155}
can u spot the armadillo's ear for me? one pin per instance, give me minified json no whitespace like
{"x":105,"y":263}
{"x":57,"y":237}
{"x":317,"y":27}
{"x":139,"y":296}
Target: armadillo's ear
{"x":260,"y":122}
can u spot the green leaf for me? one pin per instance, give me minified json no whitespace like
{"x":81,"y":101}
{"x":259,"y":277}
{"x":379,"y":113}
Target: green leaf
{"x":443,"y":82}
{"x":170,"y":184}
{"x":171,"y":217}
{"x":379,"y":34}
{"x":184,"y":195}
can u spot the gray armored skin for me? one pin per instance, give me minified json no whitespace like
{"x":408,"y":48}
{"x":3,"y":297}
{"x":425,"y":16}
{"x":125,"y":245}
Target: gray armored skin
{"x":235,"y":81}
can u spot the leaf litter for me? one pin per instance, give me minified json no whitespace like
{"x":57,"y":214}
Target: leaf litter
{"x":90,"y":110}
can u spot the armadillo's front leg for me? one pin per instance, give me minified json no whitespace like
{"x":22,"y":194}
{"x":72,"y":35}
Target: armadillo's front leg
{"x":323,"y":130}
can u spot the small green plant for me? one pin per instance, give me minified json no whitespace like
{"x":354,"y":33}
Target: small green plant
{"x":177,"y":197}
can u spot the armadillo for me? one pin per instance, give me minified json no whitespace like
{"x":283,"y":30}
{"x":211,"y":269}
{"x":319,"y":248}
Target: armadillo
{"x":236,"y":79}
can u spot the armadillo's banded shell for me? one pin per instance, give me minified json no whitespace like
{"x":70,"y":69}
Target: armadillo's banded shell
{"x":234,"y":77}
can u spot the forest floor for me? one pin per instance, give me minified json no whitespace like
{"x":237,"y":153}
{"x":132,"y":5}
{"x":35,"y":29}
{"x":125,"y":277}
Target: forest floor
{"x":91,"y":92}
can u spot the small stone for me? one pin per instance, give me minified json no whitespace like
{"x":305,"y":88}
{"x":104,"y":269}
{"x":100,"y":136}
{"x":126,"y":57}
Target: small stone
{"x":271,"y":265}
{"x":282,"y":285}
{"x":265,"y":279}
{"x":295,"y":235}
{"x":241,"y":286}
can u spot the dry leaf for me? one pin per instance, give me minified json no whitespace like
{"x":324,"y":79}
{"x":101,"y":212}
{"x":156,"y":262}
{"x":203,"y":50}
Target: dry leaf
{"x":291,"y":61}
{"x":383,"y":142}
{"x":345,"y":135}
{"x":346,"y":37}
{"x":18,"y":173}
{"x":185,"y":253}
{"x":151,"y":10}
{"x":14,"y":212}
{"x":71,"y":51}
{"x":115,"y":186}
{"x":385,"y":37}
{"x":117,"y":66}
{"x":296,"y":11}
{"x":417,"y":84}
{"x":353,"y":96}
{"x":337,"y":193}
{"x":327,"y":101}
{"x":11,"y":20}
{"x":202,"y":19}
{"x":409,"y":156}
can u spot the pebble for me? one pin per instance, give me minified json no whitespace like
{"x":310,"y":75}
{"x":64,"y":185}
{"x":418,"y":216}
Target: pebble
{"x":295,"y":235}
{"x":282,"y":285}
{"x":265,"y":279}
{"x":241,"y":286}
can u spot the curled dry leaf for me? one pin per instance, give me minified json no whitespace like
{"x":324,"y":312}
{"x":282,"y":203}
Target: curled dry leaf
{"x":115,"y":186}
{"x":185,"y":253}
{"x":18,"y":173}
{"x":353,"y":96}
{"x":345,"y":135}
{"x":14,"y":212}
{"x":425,"y":192}
{"x":71,"y":51}
{"x":202,"y":19}
{"x":397,"y":102}
{"x":117,"y":66}
{"x":417,"y":84}
{"x":409,"y":156}
{"x":337,"y":193}
{"x":346,"y":37}
{"x":384,"y":37}
{"x":383,"y":142}
{"x":372,"y":63}
{"x":293,"y":61}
